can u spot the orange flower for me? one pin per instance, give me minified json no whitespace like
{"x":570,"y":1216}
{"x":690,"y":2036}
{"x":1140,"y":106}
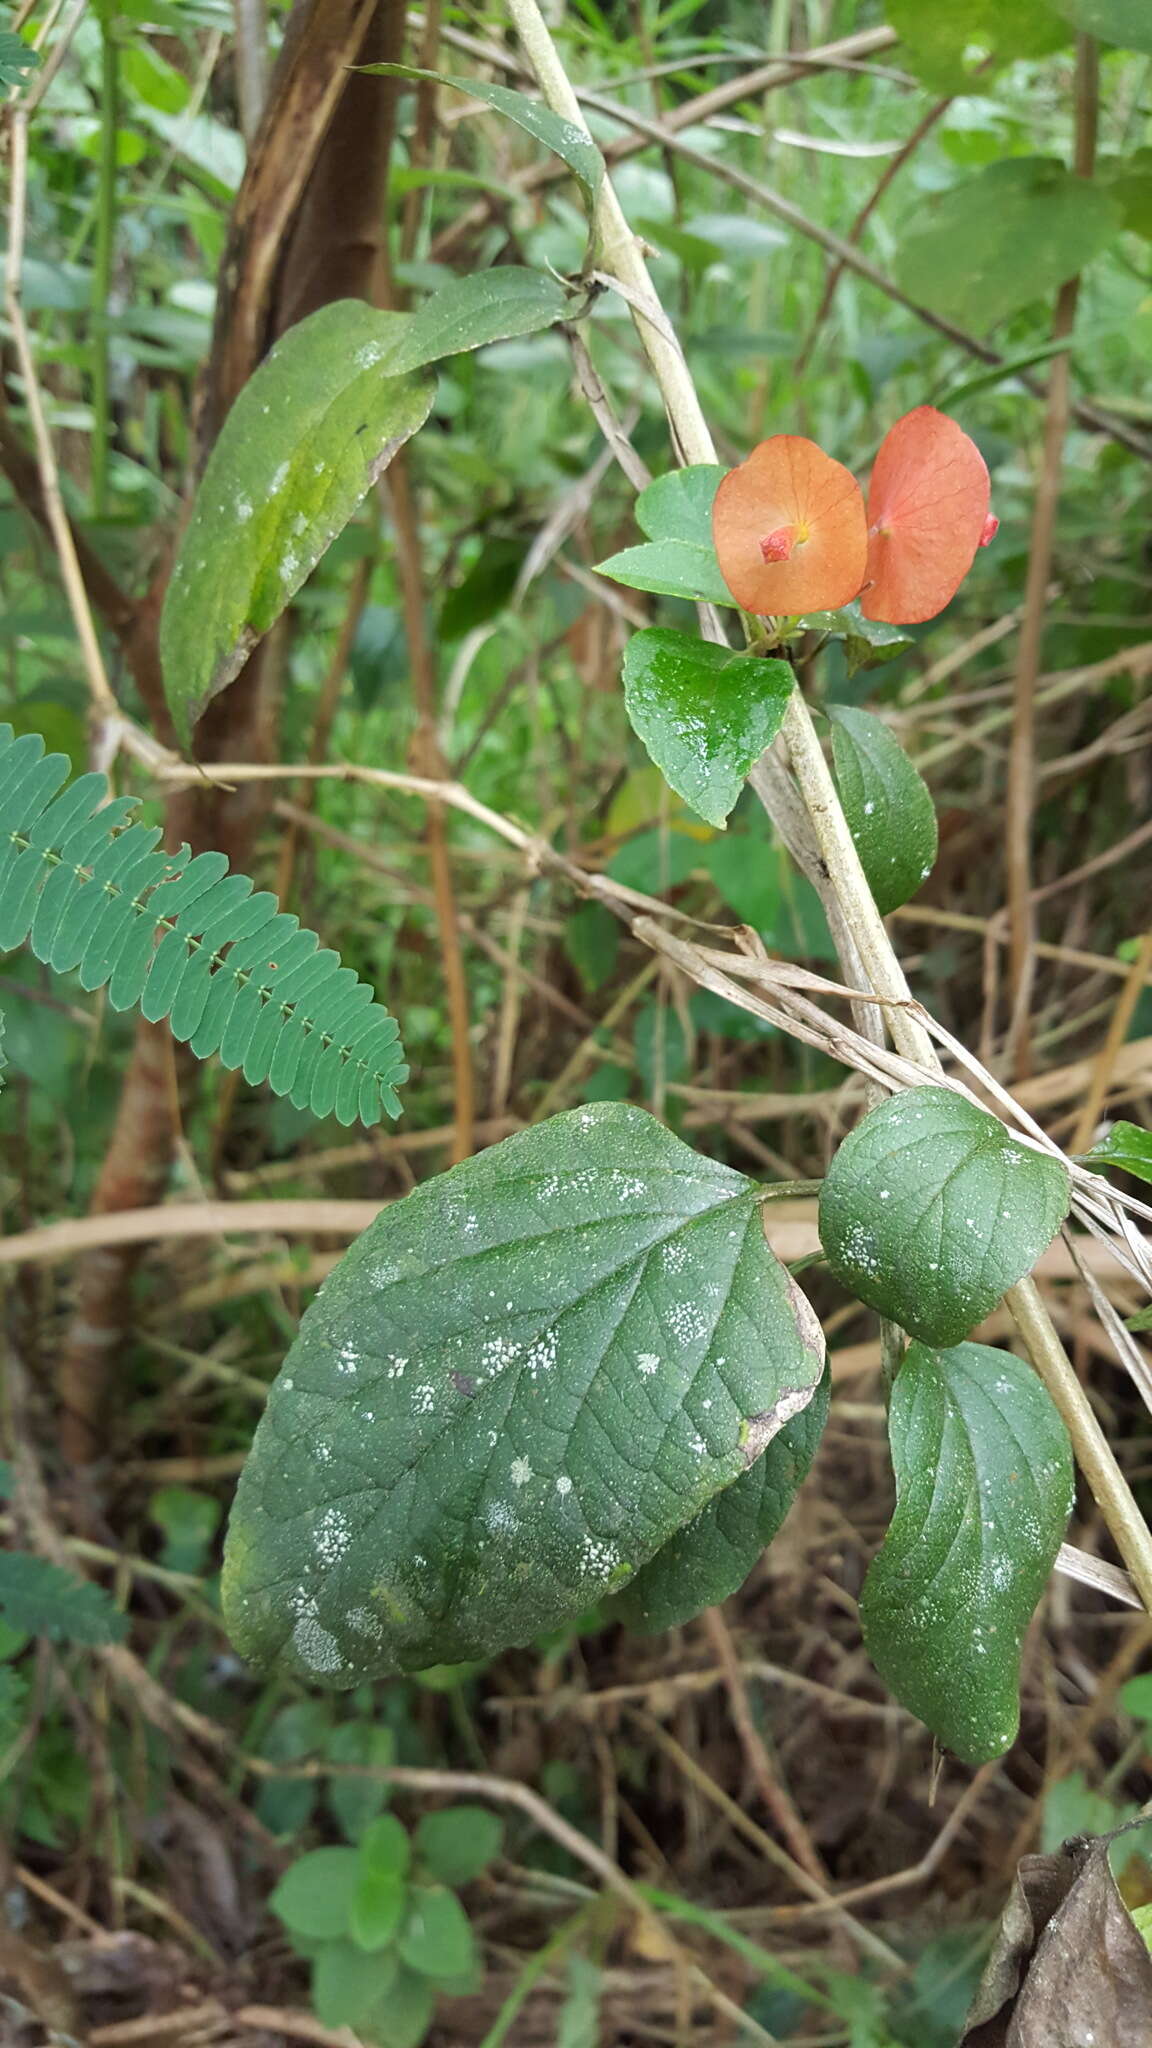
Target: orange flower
{"x":927,"y":515}
{"x":790,"y":530}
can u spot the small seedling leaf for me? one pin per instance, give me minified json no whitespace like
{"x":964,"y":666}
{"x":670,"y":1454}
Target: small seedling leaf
{"x":314,"y":1897}
{"x":456,"y":1844}
{"x":436,"y":1938}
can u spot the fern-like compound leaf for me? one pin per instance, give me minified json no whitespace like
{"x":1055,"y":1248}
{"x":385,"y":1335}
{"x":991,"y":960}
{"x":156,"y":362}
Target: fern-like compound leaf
{"x":93,"y":893}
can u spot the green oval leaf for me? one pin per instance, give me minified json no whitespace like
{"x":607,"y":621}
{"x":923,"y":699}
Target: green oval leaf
{"x":376,"y":1910}
{"x":456,"y":1844}
{"x":471,"y":312}
{"x":711,"y":1557}
{"x":349,"y":1985}
{"x":1126,"y":1146}
{"x":984,"y":1488}
{"x":887,"y":803}
{"x":1127,"y":23}
{"x":520,"y":1381}
{"x":946,"y":46}
{"x":679,"y":506}
{"x":315,"y":1896}
{"x":386,"y":1847}
{"x":436,"y":1938}
{"x":307,"y":437}
{"x":704,"y":713}
{"x":1003,"y":239}
{"x":868,"y":643}
{"x":670,"y":568}
{"x":931,"y":1208}
{"x":562,"y":137}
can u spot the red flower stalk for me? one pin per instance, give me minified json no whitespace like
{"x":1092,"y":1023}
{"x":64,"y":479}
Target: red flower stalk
{"x":792,"y":536}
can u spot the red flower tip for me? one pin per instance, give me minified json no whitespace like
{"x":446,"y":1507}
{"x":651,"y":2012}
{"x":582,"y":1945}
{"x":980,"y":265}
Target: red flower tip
{"x":777,"y":547}
{"x":991,"y":529}
{"x":790,"y":530}
{"x":927,"y":515}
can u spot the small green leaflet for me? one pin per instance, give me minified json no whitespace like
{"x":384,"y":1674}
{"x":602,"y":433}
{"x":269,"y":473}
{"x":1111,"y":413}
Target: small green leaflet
{"x":563,"y":138}
{"x":517,"y":1385}
{"x":45,"y":1600}
{"x":704,"y":713}
{"x":888,"y":806}
{"x":457,"y":1843}
{"x":1003,"y":239}
{"x":984,"y":1488}
{"x":868,"y":643}
{"x":679,"y":506}
{"x":931,"y":1209}
{"x":1125,"y":1145}
{"x":471,"y":312}
{"x":351,"y":1987}
{"x":436,"y":1938}
{"x":314,"y":1896}
{"x":678,"y":560}
{"x":669,"y":568}
{"x":1127,"y":23}
{"x":309,"y":434}
{"x":16,"y":60}
{"x":711,"y":1557}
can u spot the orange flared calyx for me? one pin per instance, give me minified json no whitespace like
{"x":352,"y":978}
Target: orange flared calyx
{"x":927,"y":515}
{"x":790,"y":530}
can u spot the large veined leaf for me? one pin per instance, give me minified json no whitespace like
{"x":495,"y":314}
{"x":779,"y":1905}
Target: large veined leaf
{"x":704,"y":712}
{"x":306,"y":438}
{"x":1127,"y":23}
{"x":519,"y":1382}
{"x":945,"y":45}
{"x":1005,"y":238}
{"x":91,"y":893}
{"x":931,"y":1209}
{"x":984,"y":1488}
{"x":711,"y":1556}
{"x":887,"y":803}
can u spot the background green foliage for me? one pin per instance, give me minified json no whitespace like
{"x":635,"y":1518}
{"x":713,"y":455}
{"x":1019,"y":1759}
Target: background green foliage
{"x":980,"y":225}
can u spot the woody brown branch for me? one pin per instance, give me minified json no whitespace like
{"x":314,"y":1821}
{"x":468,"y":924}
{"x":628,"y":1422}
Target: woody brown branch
{"x":308,"y":226}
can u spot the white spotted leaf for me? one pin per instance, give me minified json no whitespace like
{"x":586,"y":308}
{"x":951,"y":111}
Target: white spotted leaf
{"x":931,"y":1209}
{"x":704,"y":713}
{"x":516,"y":1386}
{"x":887,"y":804}
{"x":711,"y":1556}
{"x":984,"y":1488}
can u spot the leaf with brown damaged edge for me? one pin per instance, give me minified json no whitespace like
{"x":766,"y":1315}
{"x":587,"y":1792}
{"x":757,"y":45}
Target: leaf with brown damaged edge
{"x":1068,"y":1967}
